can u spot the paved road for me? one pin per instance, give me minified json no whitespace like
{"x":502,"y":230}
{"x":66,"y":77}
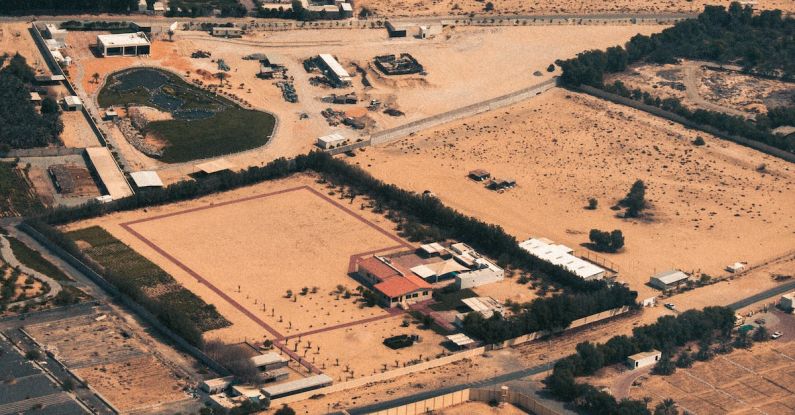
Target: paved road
{"x":506,"y":377}
{"x":790,"y":286}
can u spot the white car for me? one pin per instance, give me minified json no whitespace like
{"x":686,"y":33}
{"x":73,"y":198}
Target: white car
{"x":670,"y":306}
{"x":776,"y":335}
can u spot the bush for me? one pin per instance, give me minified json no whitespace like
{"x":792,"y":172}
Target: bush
{"x":664,"y":367}
{"x":699,"y":141}
{"x":592,"y":203}
{"x":606,"y":241}
{"x":635,"y":201}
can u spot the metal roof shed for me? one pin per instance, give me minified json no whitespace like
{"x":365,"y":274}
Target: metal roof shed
{"x":297,"y":386}
{"x":146,"y":179}
{"x":214,"y":166}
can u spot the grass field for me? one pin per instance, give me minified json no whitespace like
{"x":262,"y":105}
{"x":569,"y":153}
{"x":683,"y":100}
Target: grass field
{"x":230,"y":131}
{"x":204,"y":125}
{"x":35,"y":261}
{"x":16,"y":197}
{"x":126,"y":268}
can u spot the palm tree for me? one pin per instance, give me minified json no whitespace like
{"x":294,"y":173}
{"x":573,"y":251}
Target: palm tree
{"x":170,"y":35}
{"x":221,"y":76}
{"x":666,"y":407}
{"x":95,"y":77}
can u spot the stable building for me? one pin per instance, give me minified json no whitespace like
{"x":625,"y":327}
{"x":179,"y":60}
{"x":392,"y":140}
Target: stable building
{"x":297,"y":386}
{"x":333,"y":70}
{"x":563,"y":256}
{"x":644,"y":359}
{"x":330,"y":141}
{"x":124,"y":44}
{"x":667,"y":280}
{"x":227,"y":32}
{"x":395,"y":31}
{"x":269,"y":361}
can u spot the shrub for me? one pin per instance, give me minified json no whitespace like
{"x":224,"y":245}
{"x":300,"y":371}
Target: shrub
{"x":606,"y":241}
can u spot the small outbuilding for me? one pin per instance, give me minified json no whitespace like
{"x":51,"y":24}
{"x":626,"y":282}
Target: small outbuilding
{"x":35,"y":97}
{"x":216,"y":385}
{"x":395,"y":30}
{"x":736,"y":267}
{"x":644,"y":359}
{"x":479,"y":175}
{"x":330,"y":141}
{"x":269,"y":361}
{"x":787,"y":302}
{"x":668,"y":279}
{"x":146,"y":179}
{"x":214,"y":166}
{"x":227,"y":32}
{"x":72,"y":103}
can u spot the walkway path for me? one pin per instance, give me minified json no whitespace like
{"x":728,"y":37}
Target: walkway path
{"x":8,"y":256}
{"x":692,"y":78}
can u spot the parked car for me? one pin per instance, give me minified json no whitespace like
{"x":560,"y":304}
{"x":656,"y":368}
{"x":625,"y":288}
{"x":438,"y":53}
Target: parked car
{"x":776,"y":335}
{"x":670,"y":306}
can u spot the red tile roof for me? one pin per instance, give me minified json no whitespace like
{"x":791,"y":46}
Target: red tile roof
{"x":393,"y":283}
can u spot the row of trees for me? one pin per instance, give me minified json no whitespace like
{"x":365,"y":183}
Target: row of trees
{"x":22,"y":125}
{"x":17,"y":7}
{"x":604,"y":241}
{"x":667,"y":335}
{"x":197,"y":8}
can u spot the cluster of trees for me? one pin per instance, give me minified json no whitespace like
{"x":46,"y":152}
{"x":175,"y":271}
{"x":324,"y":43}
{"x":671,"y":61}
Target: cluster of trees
{"x":667,"y":334}
{"x":67,"y":7}
{"x":22,"y":125}
{"x":551,"y":314}
{"x":764,"y":44}
{"x":235,"y":359}
{"x":635,"y":200}
{"x":280,"y":13}
{"x":197,"y":8}
{"x":606,"y":241}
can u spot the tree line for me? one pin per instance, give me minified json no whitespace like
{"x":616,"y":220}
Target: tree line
{"x":764,"y":44}
{"x":667,"y":335}
{"x":22,"y":125}
{"x":17,"y":7}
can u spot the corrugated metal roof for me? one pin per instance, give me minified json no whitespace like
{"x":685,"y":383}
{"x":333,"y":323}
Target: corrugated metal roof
{"x":297,"y":385}
{"x":146,"y":179}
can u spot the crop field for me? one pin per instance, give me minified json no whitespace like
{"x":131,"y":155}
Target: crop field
{"x":274,"y":260}
{"x":126,"y":268}
{"x":563,"y":148}
{"x":103,"y":350}
{"x":17,"y":197}
{"x":203,"y":125}
{"x":742,"y":382}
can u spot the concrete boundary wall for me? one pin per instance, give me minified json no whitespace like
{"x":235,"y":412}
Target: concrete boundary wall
{"x":391,"y":134}
{"x":429,"y":405}
{"x":618,"y":99}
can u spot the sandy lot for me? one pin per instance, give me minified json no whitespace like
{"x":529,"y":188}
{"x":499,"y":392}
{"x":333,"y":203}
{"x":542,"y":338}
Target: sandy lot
{"x":502,"y":7}
{"x":710,"y":207}
{"x":736,"y":93}
{"x":15,"y":38}
{"x":742,"y":382}
{"x":513,"y":52}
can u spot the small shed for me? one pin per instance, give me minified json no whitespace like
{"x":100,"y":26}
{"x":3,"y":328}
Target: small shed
{"x":111,"y":114}
{"x":736,"y":267}
{"x":462,"y":341}
{"x":35,"y":97}
{"x":146,"y":179}
{"x":72,"y":103}
{"x":346,"y":10}
{"x":395,"y":30}
{"x":479,"y":175}
{"x":643,"y":359}
{"x":330,"y":141}
{"x":214,"y":166}
{"x":269,"y":361}
{"x":787,"y":302}
{"x":216,"y":385}
{"x":430,"y":30}
{"x":668,"y":279}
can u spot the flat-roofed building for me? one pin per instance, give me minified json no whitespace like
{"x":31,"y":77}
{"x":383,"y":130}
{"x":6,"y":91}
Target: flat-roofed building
{"x":296,"y":386}
{"x":668,"y":279}
{"x":787,"y":302}
{"x":228,"y":32}
{"x":146,"y":179}
{"x":563,"y":256}
{"x":54,"y":32}
{"x":72,"y":103}
{"x":330,"y":141}
{"x":269,"y":361}
{"x":333,"y":70}
{"x":346,"y":10}
{"x":216,"y":385}
{"x":124,"y":44}
{"x":395,"y":30}
{"x":643,"y":359}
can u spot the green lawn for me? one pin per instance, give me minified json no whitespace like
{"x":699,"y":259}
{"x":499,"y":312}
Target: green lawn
{"x":229,"y":131}
{"x":132,"y":273}
{"x":112,"y":97}
{"x":33,"y":259}
{"x":16,"y":197}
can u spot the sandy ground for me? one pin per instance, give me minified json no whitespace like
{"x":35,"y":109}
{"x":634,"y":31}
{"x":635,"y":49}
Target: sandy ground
{"x":481,"y":408}
{"x":513,"y":52}
{"x":742,"y":382}
{"x":745,"y":95}
{"x":15,"y":38}
{"x":446,"y":7}
{"x":256,"y":250}
{"x":710,"y":207}
{"x":76,"y":131}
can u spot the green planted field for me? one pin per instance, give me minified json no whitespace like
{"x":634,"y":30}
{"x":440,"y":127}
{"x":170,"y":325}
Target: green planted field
{"x":204,"y":125}
{"x":144,"y":281}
